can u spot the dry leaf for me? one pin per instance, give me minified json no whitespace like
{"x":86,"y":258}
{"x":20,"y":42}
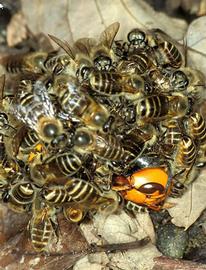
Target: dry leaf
{"x":49,"y":17}
{"x":196,"y":39}
{"x":189,"y":207}
{"x":119,"y":228}
{"x":16,"y":30}
{"x":74,"y":19}
{"x":71,"y":20}
{"x":129,"y":13}
{"x":18,"y":250}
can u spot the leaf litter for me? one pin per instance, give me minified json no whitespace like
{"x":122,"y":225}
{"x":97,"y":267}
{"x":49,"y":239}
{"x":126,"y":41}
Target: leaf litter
{"x":72,"y":20}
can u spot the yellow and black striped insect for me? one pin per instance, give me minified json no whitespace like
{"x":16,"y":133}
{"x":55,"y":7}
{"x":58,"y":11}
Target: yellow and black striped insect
{"x":42,"y":226}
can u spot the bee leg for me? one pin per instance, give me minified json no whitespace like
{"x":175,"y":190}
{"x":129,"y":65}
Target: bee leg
{"x":56,"y":228}
{"x":177,"y":189}
{"x":108,"y":125}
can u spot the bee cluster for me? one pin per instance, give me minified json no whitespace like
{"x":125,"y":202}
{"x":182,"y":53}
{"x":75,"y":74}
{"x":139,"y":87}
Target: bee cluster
{"x":107,"y":124}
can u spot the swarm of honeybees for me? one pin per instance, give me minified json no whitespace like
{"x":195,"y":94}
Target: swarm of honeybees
{"x":108,"y":124}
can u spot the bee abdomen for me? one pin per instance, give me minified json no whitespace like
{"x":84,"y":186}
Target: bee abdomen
{"x":13,"y":64}
{"x":68,"y":163}
{"x":141,"y":62}
{"x":197,"y":127}
{"x":133,"y":144}
{"x":104,"y":82}
{"x":29,"y":140}
{"x":152,"y":107}
{"x":133,"y":207}
{"x":186,"y":152}
{"x":173,"y":56}
{"x":81,"y":191}
{"x":41,"y":235}
{"x":23,"y":193}
{"x":110,"y":148}
{"x":173,"y":133}
{"x":55,"y":195}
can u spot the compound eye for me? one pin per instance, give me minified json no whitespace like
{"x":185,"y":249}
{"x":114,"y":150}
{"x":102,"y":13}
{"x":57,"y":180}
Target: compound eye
{"x":83,"y":72}
{"x":103,"y":62}
{"x":50,"y":130}
{"x":5,"y":196}
{"x":5,"y":13}
{"x":3,"y":116}
{"x":136,"y":37}
{"x":150,"y":188}
{"x":82,"y":139}
{"x":178,"y":185}
{"x":180,"y":80}
{"x":99,"y":118}
{"x":48,"y":83}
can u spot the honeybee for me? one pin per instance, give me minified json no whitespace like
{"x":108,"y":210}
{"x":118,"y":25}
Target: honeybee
{"x":103,"y":176}
{"x":107,"y":147}
{"x":169,"y":80}
{"x":196,"y":127}
{"x":25,"y":142}
{"x":87,"y":52}
{"x":134,"y":208}
{"x":28,"y":62}
{"x":167,"y":52}
{"x":184,"y":159}
{"x":158,"y":44}
{"x":179,"y":81}
{"x":36,"y":62}
{"x":19,"y":197}
{"x":110,"y":83}
{"x":196,"y":84}
{"x":57,"y":166}
{"x":30,"y":140}
{"x":57,"y":63}
{"x":55,"y":194}
{"x":75,"y":101}
{"x":90,"y":196}
{"x":135,"y":63}
{"x":137,"y":140}
{"x":139,"y":39}
{"x":160,"y":107}
{"x":100,"y":53}
{"x":42,"y":226}
{"x":35,"y":109}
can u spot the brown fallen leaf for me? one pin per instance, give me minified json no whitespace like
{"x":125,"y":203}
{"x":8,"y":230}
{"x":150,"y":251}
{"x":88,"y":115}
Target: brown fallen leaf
{"x":72,"y":20}
{"x":119,"y":228}
{"x":189,"y":207}
{"x":16,"y":30}
{"x":63,"y":255}
{"x":196,"y":39}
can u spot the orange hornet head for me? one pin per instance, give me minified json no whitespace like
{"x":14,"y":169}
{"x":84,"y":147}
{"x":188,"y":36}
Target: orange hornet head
{"x":148,"y":186}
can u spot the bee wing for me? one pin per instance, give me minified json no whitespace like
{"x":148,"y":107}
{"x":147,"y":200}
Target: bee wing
{"x":64,"y":45}
{"x":108,"y":35}
{"x":16,"y":140}
{"x":84,"y":45}
{"x":162,"y":36}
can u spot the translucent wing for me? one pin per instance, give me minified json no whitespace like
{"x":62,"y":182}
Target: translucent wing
{"x":108,"y":35}
{"x":31,"y":106}
{"x":84,"y":45}
{"x":64,"y":45}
